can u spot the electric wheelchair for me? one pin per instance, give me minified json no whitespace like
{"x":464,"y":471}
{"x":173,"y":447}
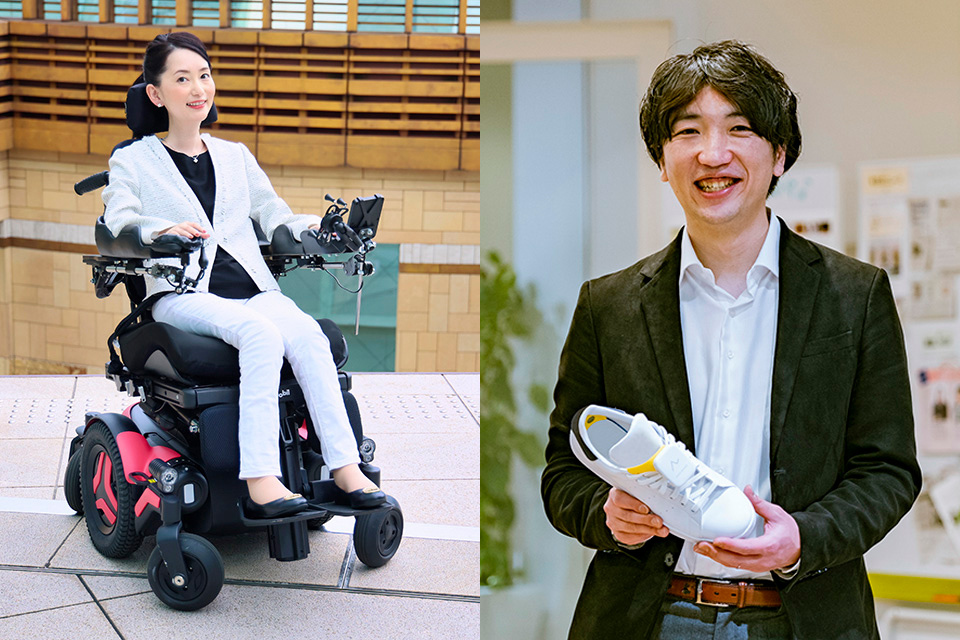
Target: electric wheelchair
{"x":168,"y":466}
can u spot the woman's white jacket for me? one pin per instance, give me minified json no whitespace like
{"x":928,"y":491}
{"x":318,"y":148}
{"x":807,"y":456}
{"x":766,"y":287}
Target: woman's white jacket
{"x":147,"y":190}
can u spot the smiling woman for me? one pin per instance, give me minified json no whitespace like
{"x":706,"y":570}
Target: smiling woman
{"x":192,"y":185}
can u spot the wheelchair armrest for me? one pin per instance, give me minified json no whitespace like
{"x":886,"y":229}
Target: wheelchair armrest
{"x":127,"y":243}
{"x":285,"y":244}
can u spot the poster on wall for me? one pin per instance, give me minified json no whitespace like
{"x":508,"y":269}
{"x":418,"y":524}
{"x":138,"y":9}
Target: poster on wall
{"x":909,"y":225}
{"x":938,"y":410}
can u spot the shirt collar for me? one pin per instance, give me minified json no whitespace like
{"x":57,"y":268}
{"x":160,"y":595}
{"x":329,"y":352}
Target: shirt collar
{"x":768,"y":258}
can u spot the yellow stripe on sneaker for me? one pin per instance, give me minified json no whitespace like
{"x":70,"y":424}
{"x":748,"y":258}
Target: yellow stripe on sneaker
{"x":593,"y":418}
{"x":647,"y":466}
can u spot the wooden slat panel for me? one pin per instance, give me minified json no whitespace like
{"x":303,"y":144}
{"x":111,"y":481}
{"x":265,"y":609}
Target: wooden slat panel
{"x":32,"y":9}
{"x":46,"y":135}
{"x":184,"y":12}
{"x":381,"y":152}
{"x":61,"y":30}
{"x":319,"y":99}
{"x":295,"y":121}
{"x":301,"y":85}
{"x":234,"y":36}
{"x":304,"y":104}
{"x":452,"y":108}
{"x":352,"y":15}
{"x":470,"y":155}
{"x":6,"y":134}
{"x":403,"y":125}
{"x":144,"y":11}
{"x":28,"y":28}
{"x":22,"y":106}
{"x":326,"y":39}
{"x":48,"y":92}
{"x":104,"y":137}
{"x":299,"y":149}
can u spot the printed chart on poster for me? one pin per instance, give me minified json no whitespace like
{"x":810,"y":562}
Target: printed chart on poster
{"x":807,"y":198}
{"x":910,"y":226}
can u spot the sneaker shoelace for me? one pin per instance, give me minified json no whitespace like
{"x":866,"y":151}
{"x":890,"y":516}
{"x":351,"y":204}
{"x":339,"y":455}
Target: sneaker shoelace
{"x":695,"y":491}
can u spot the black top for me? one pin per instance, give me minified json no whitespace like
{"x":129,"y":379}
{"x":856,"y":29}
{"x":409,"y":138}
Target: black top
{"x":227,"y":278}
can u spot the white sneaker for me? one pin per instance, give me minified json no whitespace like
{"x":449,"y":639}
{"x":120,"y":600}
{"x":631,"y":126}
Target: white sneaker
{"x":640,"y":457}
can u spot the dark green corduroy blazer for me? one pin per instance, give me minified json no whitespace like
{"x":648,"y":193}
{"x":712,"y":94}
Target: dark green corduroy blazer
{"x":842,"y":446}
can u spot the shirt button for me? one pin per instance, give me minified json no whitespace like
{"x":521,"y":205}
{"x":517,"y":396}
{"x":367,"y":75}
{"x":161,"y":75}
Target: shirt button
{"x":726,"y":413}
{"x":730,"y":355}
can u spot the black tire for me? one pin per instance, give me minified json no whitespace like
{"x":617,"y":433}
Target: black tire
{"x":204,"y":575}
{"x":107,"y":498}
{"x":71,"y":482}
{"x":376,"y":537}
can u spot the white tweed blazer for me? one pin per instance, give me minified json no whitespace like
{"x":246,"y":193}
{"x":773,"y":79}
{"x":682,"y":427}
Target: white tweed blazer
{"x":147,"y":190}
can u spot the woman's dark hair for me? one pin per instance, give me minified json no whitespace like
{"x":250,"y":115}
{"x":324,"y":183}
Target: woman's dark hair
{"x":155,"y":57}
{"x":743,"y":76}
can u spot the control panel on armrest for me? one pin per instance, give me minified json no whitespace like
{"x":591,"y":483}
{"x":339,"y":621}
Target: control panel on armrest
{"x":362,"y":223}
{"x":127,"y":244}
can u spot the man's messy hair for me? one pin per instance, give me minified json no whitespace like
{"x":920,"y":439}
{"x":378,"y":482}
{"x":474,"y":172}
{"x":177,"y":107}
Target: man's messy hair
{"x":738,"y":72}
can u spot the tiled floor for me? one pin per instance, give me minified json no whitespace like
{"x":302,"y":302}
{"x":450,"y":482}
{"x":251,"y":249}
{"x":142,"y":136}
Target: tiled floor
{"x":54,"y":584}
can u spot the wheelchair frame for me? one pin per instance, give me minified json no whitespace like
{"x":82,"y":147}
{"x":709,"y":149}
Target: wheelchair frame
{"x":147,"y":459}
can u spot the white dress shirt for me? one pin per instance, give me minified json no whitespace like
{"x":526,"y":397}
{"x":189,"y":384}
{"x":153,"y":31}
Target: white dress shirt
{"x":728,"y":346}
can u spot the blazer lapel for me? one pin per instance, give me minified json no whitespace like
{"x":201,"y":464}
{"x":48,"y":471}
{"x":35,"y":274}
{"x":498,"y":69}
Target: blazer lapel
{"x":176,"y":178}
{"x":660,"y":302}
{"x":218,"y":207}
{"x":799,"y":283}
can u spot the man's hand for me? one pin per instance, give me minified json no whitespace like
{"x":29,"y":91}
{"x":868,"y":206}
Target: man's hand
{"x":630,"y":520}
{"x":777,"y":548}
{"x":186,"y":229}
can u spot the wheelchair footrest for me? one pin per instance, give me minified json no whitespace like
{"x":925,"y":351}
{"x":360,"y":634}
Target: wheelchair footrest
{"x":315,"y":510}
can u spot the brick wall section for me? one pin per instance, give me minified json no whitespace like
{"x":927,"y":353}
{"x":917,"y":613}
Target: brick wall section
{"x":6,"y":265}
{"x":51,"y":321}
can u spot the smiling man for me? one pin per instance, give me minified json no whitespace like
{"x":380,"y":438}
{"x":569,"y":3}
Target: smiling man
{"x":778,"y":362}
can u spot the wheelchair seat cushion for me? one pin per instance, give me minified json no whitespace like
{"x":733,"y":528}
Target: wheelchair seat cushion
{"x":161,"y":349}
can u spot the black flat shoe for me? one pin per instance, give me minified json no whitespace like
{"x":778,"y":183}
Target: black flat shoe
{"x":361,"y":498}
{"x":286,"y":506}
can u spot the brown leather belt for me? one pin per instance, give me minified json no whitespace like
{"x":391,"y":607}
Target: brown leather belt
{"x":724,"y":593}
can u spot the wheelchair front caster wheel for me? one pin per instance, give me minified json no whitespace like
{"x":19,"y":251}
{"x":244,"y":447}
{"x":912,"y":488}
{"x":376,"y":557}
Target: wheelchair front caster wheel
{"x":204,"y":577}
{"x":376,"y":537}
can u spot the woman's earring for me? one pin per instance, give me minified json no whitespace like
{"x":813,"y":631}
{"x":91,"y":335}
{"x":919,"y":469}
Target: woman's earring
{"x":160,"y":105}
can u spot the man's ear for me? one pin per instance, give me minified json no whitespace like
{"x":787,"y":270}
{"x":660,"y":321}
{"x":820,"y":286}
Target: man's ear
{"x":663,"y":172}
{"x":779,"y":161}
{"x":154,"y":95}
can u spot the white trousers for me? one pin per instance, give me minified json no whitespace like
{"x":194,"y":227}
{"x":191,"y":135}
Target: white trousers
{"x":264,"y":329}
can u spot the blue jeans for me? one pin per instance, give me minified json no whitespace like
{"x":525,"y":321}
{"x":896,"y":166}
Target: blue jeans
{"x":682,"y":620}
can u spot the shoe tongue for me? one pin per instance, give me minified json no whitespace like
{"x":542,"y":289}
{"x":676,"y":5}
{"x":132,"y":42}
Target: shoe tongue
{"x":639,"y":445}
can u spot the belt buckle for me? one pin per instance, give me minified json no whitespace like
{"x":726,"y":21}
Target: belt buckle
{"x":700,"y":600}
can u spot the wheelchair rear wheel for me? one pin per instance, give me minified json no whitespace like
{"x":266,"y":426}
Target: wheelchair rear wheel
{"x":71,"y":482}
{"x":204,"y":575}
{"x":376,"y":537}
{"x":107,"y":498}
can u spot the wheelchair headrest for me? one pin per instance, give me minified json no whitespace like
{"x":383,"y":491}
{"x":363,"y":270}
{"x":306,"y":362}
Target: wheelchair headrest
{"x":145,"y":118}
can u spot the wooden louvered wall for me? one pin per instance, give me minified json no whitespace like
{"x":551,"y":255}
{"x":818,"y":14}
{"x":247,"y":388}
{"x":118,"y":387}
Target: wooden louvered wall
{"x":325,"y":99}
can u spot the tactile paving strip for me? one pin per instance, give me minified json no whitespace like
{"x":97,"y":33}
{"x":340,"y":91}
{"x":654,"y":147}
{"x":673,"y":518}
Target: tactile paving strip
{"x":33,"y":418}
{"x":414,"y":413}
{"x":45,"y":418}
{"x":473,"y":404}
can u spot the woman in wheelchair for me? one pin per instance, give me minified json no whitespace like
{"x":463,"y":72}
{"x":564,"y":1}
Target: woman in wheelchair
{"x":196,"y":185}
